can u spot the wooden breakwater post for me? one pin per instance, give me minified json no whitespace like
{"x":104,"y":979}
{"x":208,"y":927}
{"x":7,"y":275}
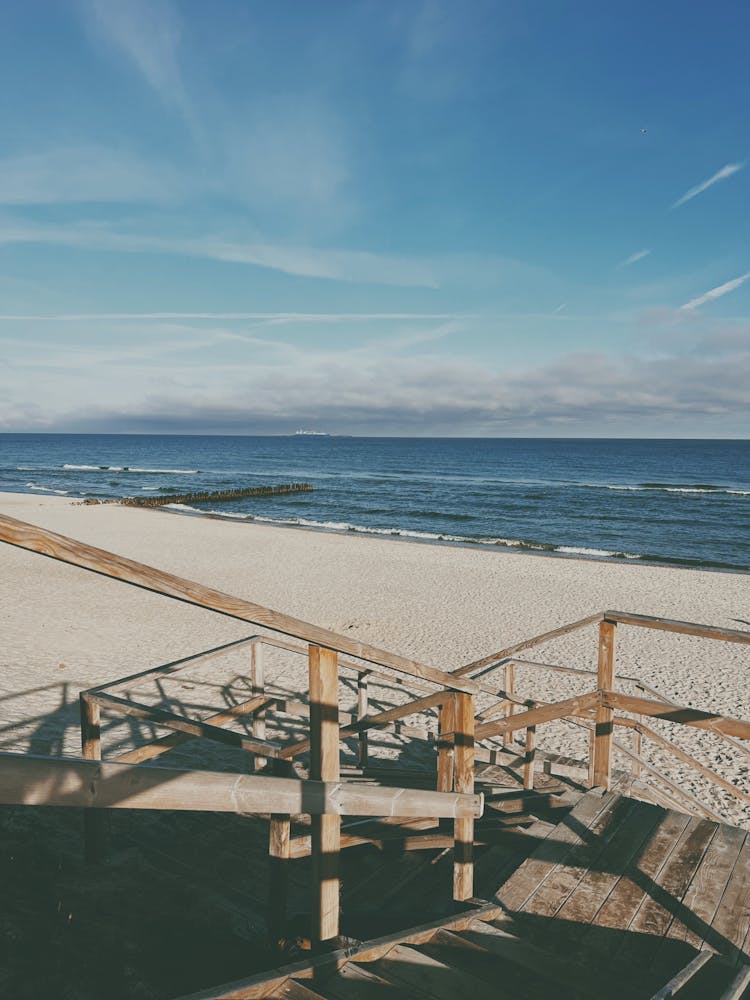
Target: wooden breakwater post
{"x":218,"y":496}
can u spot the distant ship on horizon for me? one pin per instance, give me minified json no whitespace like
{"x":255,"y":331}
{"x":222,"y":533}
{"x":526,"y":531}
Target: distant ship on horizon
{"x":303,"y":433}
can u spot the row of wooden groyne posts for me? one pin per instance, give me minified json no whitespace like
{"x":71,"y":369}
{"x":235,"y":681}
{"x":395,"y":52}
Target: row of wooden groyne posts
{"x":217,"y":496}
{"x":465,"y":734}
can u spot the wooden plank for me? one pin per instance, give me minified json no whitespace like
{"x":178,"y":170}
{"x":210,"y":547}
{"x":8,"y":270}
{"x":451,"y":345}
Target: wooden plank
{"x":683,"y":977}
{"x":554,"y":850}
{"x":279,"y":852}
{"x":94,"y":822}
{"x":731,"y":923}
{"x":622,"y":903}
{"x":193,"y":727}
{"x":736,"y":989}
{"x":164,"y":744}
{"x":536,"y":640}
{"x":708,"y":886}
{"x":407,"y":965}
{"x":355,"y":982}
{"x":258,"y":682}
{"x":536,"y":716}
{"x":324,"y":766}
{"x":509,"y":683}
{"x":463,"y":780}
{"x":676,"y":713}
{"x":641,"y":729}
{"x":64,"y":549}
{"x":684,"y":628}
{"x":30,"y":780}
{"x":564,"y":878}
{"x":373,"y":721}
{"x":582,"y":905}
{"x":528,"y":764}
{"x":604,"y":715}
{"x":362,"y":713}
{"x":445,"y":756}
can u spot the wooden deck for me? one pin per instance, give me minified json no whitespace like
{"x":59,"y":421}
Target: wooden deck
{"x":616,"y":899}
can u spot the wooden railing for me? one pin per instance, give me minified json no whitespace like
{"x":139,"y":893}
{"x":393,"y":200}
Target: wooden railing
{"x":449,"y":694}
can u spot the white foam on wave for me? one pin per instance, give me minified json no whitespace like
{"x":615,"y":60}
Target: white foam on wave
{"x":172,"y":472}
{"x":46,"y":489}
{"x":127,"y":468}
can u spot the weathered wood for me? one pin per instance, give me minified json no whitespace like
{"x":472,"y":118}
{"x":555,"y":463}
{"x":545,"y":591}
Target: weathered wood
{"x":324,"y":766}
{"x":509,"y":683}
{"x":537,"y":640}
{"x":463,"y":781}
{"x":64,"y":549}
{"x":736,"y":989}
{"x":536,"y":716}
{"x":684,"y":976}
{"x":94,"y":822}
{"x":373,"y":721}
{"x":528,"y":764}
{"x":258,"y":682}
{"x":640,"y":729}
{"x":684,"y":628}
{"x":362,"y":711}
{"x":31,"y":780}
{"x":711,"y":721}
{"x":279,"y":852}
{"x":166,"y":743}
{"x":604,"y":715}
{"x":445,"y":750}
{"x":217,"y":496}
{"x":192,"y":727}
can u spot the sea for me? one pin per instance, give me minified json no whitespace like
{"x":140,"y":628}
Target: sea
{"x":679,"y":502}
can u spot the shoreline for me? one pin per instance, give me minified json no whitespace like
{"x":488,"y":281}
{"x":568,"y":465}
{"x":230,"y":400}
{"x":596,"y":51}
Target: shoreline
{"x":406,"y":536}
{"x":66,"y":629}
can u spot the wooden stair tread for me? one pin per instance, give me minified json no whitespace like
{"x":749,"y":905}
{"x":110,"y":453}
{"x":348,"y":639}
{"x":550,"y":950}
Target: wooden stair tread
{"x":411,"y":966}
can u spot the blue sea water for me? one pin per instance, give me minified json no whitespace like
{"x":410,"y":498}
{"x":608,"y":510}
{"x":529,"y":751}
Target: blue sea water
{"x":680,"y":502}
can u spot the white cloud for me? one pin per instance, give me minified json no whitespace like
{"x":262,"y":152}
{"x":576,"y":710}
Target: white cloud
{"x":84,"y":174}
{"x":638,"y":255}
{"x":147,"y":34}
{"x":355,"y":266}
{"x":720,"y":175}
{"x":717,"y":293}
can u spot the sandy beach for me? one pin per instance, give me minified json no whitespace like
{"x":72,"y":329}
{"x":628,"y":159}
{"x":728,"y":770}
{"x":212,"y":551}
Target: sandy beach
{"x":65,"y":629}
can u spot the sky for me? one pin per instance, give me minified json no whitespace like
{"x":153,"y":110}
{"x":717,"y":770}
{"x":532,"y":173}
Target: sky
{"x":389,"y":217}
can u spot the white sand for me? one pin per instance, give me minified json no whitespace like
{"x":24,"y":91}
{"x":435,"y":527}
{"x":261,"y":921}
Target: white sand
{"x":443,"y":605}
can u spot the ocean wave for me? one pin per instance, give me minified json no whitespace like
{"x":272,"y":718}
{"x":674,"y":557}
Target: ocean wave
{"x":127,"y":468}
{"x":46,"y":489}
{"x":703,"y":488}
{"x":521,"y":544}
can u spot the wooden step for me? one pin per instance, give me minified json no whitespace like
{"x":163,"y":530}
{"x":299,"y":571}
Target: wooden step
{"x":411,"y":967}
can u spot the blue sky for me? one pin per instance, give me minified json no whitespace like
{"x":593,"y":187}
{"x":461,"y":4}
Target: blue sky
{"x":412,"y":217}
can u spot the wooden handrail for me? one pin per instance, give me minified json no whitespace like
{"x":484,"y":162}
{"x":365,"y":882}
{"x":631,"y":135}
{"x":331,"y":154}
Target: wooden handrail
{"x":537,"y":716}
{"x":373,"y":721}
{"x":708,"y":773}
{"x":684,"y":628}
{"x":711,"y":721}
{"x":554,"y":633}
{"x":54,"y":781}
{"x":64,"y":549}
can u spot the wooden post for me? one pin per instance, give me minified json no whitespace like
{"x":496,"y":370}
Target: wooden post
{"x":279,"y":852}
{"x":446,"y":726}
{"x":604,"y":716}
{"x":258,"y":681}
{"x":94,"y":820}
{"x":362,"y":710}
{"x":324,"y":766}
{"x":637,"y":749}
{"x":528,"y":764}
{"x":509,"y":683}
{"x":463,"y":829}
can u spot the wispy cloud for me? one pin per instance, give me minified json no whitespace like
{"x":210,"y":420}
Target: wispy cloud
{"x":638,"y":255}
{"x":355,"y":266}
{"x":147,"y":34}
{"x":84,"y":174}
{"x":718,"y":292}
{"x":720,"y":175}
